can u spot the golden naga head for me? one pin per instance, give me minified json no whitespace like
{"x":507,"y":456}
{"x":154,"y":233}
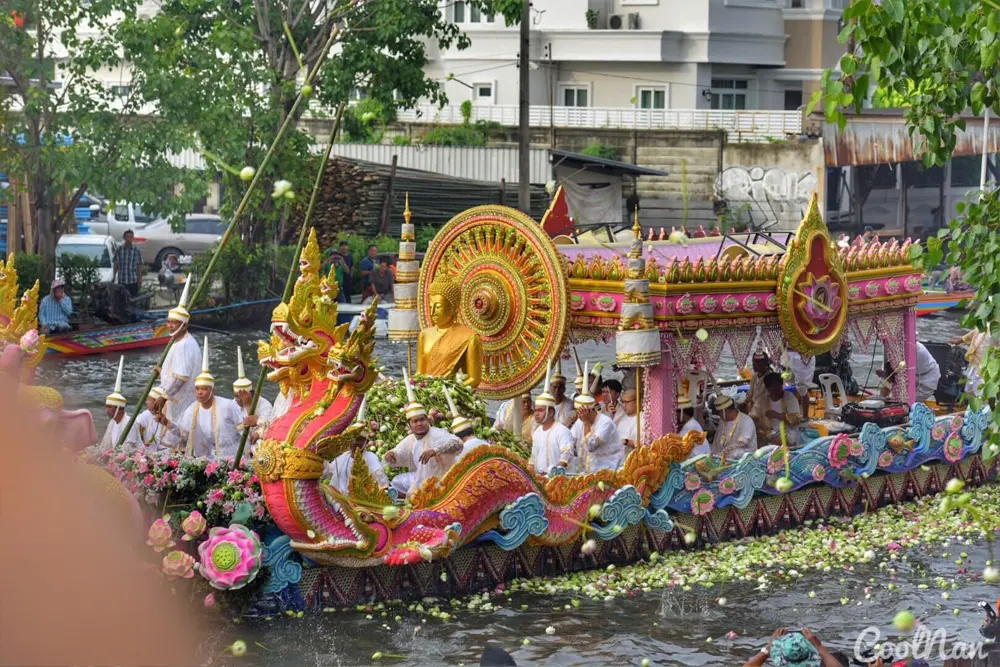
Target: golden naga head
{"x":445,"y":297}
{"x":19,"y":318}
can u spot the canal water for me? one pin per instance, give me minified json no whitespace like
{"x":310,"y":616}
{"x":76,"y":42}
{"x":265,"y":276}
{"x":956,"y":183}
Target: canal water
{"x":669,"y":627}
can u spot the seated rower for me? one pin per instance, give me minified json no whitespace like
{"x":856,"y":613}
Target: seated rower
{"x":117,"y":419}
{"x":761,"y":367}
{"x":775,"y":406}
{"x":153,"y":434}
{"x":463,"y":428}
{"x":208,"y":426}
{"x":243,"y":395}
{"x":337,"y":472}
{"x":505,"y":417}
{"x":611,"y":399}
{"x":551,"y":441}
{"x":427,"y":452}
{"x":565,"y":412}
{"x":628,"y":423}
{"x":598,"y":445}
{"x":736,"y":434}
{"x":690,"y":423}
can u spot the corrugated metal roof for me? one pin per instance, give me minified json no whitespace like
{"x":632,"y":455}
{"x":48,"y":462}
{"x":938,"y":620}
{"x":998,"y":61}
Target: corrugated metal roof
{"x":601,"y":164}
{"x":879,"y":136}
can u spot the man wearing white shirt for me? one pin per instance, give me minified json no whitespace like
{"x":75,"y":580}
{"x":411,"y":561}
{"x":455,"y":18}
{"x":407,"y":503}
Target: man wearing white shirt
{"x":551,"y":442}
{"x":114,"y":406}
{"x":736,"y":434}
{"x":338,"y":471}
{"x":628,"y":422}
{"x":928,"y":374}
{"x":243,"y":395}
{"x":598,"y":446}
{"x":152,"y":433}
{"x":181,"y":365}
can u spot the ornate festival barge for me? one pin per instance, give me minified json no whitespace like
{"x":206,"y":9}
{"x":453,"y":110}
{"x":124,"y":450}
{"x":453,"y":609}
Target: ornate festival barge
{"x":490,"y":520}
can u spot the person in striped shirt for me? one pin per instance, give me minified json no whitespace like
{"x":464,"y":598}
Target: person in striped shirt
{"x":55,"y":309}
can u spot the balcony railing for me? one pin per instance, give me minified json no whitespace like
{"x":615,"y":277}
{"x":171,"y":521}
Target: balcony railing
{"x":749,"y":126}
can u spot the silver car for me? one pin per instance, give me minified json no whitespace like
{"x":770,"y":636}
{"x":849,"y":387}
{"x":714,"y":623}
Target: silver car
{"x":157,"y":239}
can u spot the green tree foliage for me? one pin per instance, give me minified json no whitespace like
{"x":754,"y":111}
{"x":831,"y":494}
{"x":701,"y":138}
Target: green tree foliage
{"x":229,"y":72}
{"x":597,"y":149}
{"x":951,"y":49}
{"x":63,"y":133}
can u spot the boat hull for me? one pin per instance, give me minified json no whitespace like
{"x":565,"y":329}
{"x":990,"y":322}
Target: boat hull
{"x":108,"y":339}
{"x":482,"y":566}
{"x":935,"y":302}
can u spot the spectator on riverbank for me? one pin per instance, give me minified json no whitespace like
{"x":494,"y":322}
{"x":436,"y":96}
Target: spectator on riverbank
{"x":366,"y":267}
{"x":55,"y":309}
{"x":348,"y":271}
{"x":382,"y":280}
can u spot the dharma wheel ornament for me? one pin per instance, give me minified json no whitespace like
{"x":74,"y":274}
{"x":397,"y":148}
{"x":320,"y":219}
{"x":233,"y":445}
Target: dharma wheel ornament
{"x":514,"y":293}
{"x":637,"y":344}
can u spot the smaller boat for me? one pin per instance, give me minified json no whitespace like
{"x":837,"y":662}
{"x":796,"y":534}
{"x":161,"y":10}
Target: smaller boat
{"x":111,"y":338}
{"x":934,"y":301}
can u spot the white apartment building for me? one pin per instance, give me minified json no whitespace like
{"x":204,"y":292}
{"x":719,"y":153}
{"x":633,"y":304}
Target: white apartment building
{"x":647,"y":54}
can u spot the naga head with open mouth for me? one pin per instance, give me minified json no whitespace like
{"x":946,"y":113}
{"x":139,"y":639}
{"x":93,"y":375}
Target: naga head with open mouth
{"x":304,"y":330}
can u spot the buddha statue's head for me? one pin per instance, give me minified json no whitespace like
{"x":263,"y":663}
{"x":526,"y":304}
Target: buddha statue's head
{"x":446,"y":293}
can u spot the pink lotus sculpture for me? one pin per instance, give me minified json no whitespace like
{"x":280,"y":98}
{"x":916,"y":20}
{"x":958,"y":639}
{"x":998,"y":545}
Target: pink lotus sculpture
{"x":178,"y":564}
{"x":160,"y":535}
{"x":230,"y":557}
{"x":194,"y":525}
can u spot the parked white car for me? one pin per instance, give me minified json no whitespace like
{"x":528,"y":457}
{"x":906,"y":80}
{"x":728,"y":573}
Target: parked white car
{"x":102,"y":248}
{"x":121,"y":218}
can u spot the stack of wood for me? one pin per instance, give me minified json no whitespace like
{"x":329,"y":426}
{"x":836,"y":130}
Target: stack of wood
{"x":353,"y":197}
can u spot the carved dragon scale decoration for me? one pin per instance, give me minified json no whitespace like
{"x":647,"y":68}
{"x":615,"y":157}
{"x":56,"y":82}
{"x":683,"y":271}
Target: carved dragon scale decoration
{"x":329,"y":371}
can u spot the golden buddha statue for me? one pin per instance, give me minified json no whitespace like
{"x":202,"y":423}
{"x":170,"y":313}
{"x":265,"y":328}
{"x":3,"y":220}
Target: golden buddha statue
{"x":448,"y":347}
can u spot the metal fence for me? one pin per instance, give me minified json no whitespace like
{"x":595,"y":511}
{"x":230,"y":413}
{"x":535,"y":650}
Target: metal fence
{"x":750,"y":125}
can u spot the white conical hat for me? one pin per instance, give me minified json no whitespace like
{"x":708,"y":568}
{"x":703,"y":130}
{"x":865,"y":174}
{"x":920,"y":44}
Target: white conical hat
{"x":459,"y":423}
{"x":158,"y":393}
{"x":559,"y":372}
{"x":412,"y":408}
{"x":115,"y":398}
{"x":584,"y":399}
{"x":546,"y":399}
{"x":579,"y":373}
{"x":180,"y":313}
{"x":362,"y":411}
{"x":205,"y":378}
{"x":242,"y":383}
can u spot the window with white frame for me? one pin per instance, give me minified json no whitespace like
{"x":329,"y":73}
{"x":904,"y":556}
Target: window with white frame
{"x":467,"y":13}
{"x":119,"y":91}
{"x":484,"y":93}
{"x":651,"y":97}
{"x":730,"y":93}
{"x":574,"y":95}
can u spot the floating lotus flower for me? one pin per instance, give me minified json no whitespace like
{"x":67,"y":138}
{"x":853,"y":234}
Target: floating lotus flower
{"x":230,"y":557}
{"x":194,"y":525}
{"x":160,"y":535}
{"x":178,"y":564}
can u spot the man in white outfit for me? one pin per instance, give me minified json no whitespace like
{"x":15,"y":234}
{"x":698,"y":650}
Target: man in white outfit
{"x":181,"y":365}
{"x":736,"y":434}
{"x":928,"y":374}
{"x":153,"y":434}
{"x":803,"y":368}
{"x":463,"y":428}
{"x":551,"y":442}
{"x":426,"y":452}
{"x":628,"y":421}
{"x":338,"y":471}
{"x":114,"y":405}
{"x":595,"y":435}
{"x":243,"y":395}
{"x":565,"y":412}
{"x":209,"y":425}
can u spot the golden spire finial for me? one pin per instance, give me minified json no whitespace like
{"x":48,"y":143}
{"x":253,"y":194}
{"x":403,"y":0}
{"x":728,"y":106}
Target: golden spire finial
{"x":636,"y":229}
{"x":407,"y":215}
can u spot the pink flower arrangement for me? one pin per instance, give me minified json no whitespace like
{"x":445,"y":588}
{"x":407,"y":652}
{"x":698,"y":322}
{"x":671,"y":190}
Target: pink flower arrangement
{"x":178,"y":564}
{"x":819,"y":473}
{"x":210,"y":601}
{"x":160,"y":535}
{"x":840,"y":450}
{"x":885,"y":459}
{"x":194,"y":525}
{"x":692,"y":481}
{"x":953,"y":448}
{"x":702,"y":502}
{"x":210,"y":468}
{"x":727,"y":486}
{"x":230,"y":557}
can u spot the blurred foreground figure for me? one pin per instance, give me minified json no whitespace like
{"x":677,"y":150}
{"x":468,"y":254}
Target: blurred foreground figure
{"x":74,"y":585}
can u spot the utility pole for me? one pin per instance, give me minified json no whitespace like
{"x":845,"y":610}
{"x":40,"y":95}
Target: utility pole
{"x":524,"y":122}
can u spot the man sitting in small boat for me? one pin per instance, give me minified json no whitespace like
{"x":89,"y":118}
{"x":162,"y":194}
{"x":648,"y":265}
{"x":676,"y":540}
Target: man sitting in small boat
{"x":736,"y":434}
{"x":551,"y":441}
{"x":628,"y":424}
{"x":598,"y":445}
{"x":181,"y":364}
{"x":337,"y":472}
{"x":243,"y":395}
{"x":151,"y":432}
{"x":55,"y":309}
{"x":427,"y":451}
{"x":114,"y":405}
{"x":775,"y":406}
{"x":209,"y":426}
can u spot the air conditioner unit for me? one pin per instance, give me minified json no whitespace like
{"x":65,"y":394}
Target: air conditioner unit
{"x":633,"y":21}
{"x":615,"y":21}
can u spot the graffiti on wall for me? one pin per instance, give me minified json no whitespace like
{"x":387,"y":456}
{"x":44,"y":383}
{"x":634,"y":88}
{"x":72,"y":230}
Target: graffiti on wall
{"x":770,"y":198}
